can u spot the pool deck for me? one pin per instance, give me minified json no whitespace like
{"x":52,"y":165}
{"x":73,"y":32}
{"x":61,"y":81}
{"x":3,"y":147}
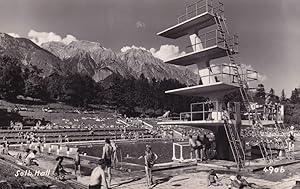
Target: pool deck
{"x":181,"y":177}
{"x":190,"y":175}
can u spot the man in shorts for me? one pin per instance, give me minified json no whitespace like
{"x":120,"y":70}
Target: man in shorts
{"x":98,"y":179}
{"x":107,"y":155}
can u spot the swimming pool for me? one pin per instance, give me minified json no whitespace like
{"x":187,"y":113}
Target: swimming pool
{"x":132,"y":152}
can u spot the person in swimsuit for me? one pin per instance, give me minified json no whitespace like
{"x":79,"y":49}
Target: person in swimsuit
{"x":107,"y":155}
{"x":114,"y":159}
{"x":59,"y":171}
{"x":77,"y":162}
{"x":213,"y":179}
{"x":98,"y":179}
{"x":194,"y":146}
{"x":150,"y":158}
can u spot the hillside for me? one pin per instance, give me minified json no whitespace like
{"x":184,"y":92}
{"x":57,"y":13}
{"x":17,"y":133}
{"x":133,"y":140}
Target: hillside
{"x":29,"y":54}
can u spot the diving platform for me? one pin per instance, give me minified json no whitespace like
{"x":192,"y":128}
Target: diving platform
{"x":211,"y":113}
{"x":197,"y":16}
{"x":217,"y":79}
{"x":205,"y":47}
{"x":212,"y":123}
{"x":204,"y":90}
{"x":191,"y":58}
{"x":185,"y":28}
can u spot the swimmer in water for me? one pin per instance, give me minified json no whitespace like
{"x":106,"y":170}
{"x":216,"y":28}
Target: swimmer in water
{"x":98,"y":179}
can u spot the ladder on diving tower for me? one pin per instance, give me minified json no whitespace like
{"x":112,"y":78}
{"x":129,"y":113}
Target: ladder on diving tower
{"x":234,"y":141}
{"x":244,"y":88}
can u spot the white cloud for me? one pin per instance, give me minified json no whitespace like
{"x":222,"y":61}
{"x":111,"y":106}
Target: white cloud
{"x":68,"y":39}
{"x":14,"y":35}
{"x":260,"y":77}
{"x":126,"y":48}
{"x":167,"y":52}
{"x":43,"y":37}
{"x":164,"y":53}
{"x":140,"y":24}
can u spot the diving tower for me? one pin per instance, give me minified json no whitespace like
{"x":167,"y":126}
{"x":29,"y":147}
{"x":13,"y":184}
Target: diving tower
{"x":204,"y":23}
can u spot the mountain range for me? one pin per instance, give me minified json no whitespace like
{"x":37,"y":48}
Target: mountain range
{"x":93,"y":59}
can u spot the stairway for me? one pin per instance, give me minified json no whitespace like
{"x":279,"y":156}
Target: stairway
{"x":245,"y":93}
{"x":234,"y":141}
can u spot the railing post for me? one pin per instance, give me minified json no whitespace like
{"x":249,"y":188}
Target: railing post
{"x":205,"y":38}
{"x":174,"y":156}
{"x":181,"y":153}
{"x":203,"y":111}
{"x":217,"y":109}
{"x":186,"y":12}
{"x":196,"y":8}
{"x":208,"y":75}
{"x":191,"y":108}
{"x":216,"y":36}
{"x":222,"y":79}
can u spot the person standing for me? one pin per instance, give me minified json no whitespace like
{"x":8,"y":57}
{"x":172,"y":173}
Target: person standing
{"x":5,"y":146}
{"x":291,"y":142}
{"x":114,"y":155}
{"x":107,"y":155}
{"x":150,"y":158}
{"x":98,"y":179}
{"x":199,"y":144}
{"x":77,"y":162}
{"x":206,"y":145}
{"x":194,"y":146}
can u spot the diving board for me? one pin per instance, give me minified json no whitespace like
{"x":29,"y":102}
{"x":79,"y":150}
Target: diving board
{"x":201,"y":90}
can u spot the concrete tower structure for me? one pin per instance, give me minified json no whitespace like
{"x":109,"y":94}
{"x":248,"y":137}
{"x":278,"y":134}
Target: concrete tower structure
{"x":205,"y":25}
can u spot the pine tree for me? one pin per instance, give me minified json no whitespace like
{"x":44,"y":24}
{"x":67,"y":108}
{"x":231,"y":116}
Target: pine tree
{"x":295,"y":96}
{"x":283,"y":96}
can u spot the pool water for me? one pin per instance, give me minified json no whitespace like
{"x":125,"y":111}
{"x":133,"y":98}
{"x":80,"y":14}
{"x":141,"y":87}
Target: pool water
{"x":133,"y":152}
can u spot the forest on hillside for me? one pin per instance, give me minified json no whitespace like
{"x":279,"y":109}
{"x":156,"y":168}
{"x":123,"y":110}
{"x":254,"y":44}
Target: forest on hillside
{"x":130,"y":96}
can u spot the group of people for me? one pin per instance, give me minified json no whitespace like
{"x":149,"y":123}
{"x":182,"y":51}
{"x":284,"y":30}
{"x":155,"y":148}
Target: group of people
{"x":272,"y":109}
{"x":201,"y":147}
{"x":237,"y":182}
{"x":98,"y":177}
{"x":29,"y":158}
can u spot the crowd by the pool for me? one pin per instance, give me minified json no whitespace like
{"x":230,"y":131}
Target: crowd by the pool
{"x":121,"y":127}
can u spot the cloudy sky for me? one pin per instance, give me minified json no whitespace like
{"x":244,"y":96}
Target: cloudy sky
{"x":269,"y":30}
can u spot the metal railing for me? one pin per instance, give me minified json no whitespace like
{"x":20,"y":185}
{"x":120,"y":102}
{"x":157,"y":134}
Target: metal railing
{"x":265,"y":112}
{"x":181,"y":151}
{"x":225,"y":73}
{"x":201,"y":111}
{"x":201,"y":7}
{"x":214,"y":38}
